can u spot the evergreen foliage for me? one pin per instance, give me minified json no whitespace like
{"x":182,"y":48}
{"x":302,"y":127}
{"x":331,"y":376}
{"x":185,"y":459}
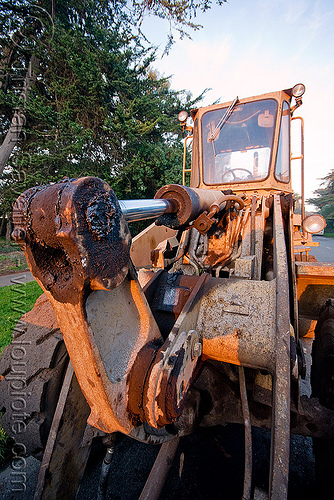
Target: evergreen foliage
{"x":79,"y":78}
{"x":324,"y":199}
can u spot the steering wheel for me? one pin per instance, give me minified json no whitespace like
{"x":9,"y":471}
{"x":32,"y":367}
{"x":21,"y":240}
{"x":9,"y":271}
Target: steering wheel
{"x":235,"y":176}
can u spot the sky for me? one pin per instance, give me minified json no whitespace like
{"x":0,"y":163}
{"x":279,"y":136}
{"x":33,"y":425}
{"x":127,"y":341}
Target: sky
{"x":247,"y":48}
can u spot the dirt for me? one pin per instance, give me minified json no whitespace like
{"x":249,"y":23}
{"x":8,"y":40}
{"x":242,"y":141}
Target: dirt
{"x":42,"y":314}
{"x":12,"y":260}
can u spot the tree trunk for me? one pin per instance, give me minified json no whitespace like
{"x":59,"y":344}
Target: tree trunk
{"x":18,"y":121}
{"x":2,"y":224}
{"x":8,"y":230}
{"x":7,"y":58}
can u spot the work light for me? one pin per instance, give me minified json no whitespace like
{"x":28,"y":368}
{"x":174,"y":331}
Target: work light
{"x":182,"y":116}
{"x":314,"y":223}
{"x":298,"y":90}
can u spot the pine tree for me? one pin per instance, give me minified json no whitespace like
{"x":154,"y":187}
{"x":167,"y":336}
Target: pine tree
{"x":324,"y":199}
{"x":78,"y":97}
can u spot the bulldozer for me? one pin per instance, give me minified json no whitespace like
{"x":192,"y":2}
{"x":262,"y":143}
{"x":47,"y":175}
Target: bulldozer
{"x":205,"y":318}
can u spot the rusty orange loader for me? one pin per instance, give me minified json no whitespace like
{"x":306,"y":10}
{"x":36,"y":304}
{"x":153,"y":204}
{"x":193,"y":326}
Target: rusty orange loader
{"x":205,"y":318}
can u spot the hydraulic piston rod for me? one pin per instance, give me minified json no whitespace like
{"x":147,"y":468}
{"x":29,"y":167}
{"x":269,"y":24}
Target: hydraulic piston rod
{"x":135,"y":210}
{"x":176,"y":205}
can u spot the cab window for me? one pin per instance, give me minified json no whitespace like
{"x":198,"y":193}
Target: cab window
{"x":237,"y":144}
{"x":282,"y":167}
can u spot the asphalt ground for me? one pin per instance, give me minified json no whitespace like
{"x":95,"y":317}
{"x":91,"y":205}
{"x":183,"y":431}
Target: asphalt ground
{"x":17,"y":278}
{"x":208,"y":465}
{"x":325,"y":251}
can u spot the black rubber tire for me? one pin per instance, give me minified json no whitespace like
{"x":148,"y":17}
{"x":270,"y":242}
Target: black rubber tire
{"x":322,"y":381}
{"x":31,"y":373}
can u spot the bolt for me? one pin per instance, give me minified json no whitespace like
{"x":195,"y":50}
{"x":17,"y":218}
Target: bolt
{"x":19,"y":234}
{"x":196,"y":350}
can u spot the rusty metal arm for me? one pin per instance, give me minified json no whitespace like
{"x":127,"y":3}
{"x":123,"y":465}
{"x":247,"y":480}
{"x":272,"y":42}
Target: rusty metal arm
{"x":280,"y":432}
{"x":248,"y":437}
{"x":77,"y":244}
{"x":156,"y":480}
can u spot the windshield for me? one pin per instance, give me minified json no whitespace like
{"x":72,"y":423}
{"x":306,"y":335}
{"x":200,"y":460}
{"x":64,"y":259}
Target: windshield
{"x":238,"y":148}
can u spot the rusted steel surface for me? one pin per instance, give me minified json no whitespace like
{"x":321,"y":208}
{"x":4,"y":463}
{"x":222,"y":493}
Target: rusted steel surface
{"x":175,"y":365}
{"x":156,"y":480}
{"x":214,"y":250}
{"x":77,"y":244}
{"x":312,"y":419}
{"x":229,"y":322}
{"x":190,"y":202}
{"x":146,"y":277}
{"x":223,"y":244}
{"x":126,"y":342}
{"x":74,"y":234}
{"x":76,"y":241}
{"x":156,"y":361}
{"x":167,"y":295}
{"x":170,"y":378}
{"x":224,"y":241}
{"x":290,"y":229}
{"x":138,"y":353}
{"x":146,"y":241}
{"x":158,"y":254}
{"x":253,"y":232}
{"x":315,"y":283}
{"x":315,"y":269}
{"x":280,"y":432}
{"x":206,"y":220}
{"x":248,"y":437}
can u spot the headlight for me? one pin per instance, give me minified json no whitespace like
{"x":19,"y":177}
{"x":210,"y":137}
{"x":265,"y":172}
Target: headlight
{"x":314,"y":223}
{"x":298,"y":90}
{"x":182,"y":116}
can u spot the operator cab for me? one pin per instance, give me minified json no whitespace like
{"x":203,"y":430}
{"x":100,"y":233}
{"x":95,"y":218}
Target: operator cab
{"x":245,"y":144}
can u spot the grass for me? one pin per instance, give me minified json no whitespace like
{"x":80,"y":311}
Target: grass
{"x":11,"y":257}
{"x":8,"y":247}
{"x":15,"y":300}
